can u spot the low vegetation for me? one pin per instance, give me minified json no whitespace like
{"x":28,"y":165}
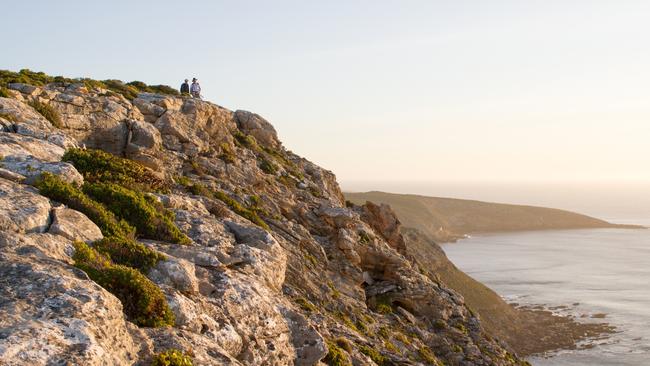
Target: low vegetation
{"x":128,"y":90}
{"x":427,"y":356}
{"x":374,"y":355}
{"x":246,"y":212}
{"x":305,"y":305}
{"x":172,"y":357}
{"x":267,"y":166}
{"x":100,"y":166}
{"x":48,"y":112}
{"x":143,"y":302}
{"x":336,"y":356}
{"x":56,"y":189}
{"x":227,"y":155}
{"x":148,"y":216}
{"x":4,"y":93}
{"x":129,"y":253}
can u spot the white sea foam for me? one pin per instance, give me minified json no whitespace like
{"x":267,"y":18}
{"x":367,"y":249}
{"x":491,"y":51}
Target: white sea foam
{"x":587,"y":272}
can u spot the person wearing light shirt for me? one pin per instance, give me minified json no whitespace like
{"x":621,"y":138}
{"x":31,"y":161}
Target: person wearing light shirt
{"x":195,"y":88}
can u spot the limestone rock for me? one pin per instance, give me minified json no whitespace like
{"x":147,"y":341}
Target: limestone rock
{"x":258,"y":127}
{"x":51,"y":314}
{"x":33,"y":168}
{"x":177,"y":273}
{"x":74,"y":225}
{"x":22,"y":209}
{"x":241,"y":294}
{"x":15,"y":144}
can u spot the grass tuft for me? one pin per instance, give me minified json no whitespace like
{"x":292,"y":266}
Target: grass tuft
{"x":336,"y":356}
{"x":48,"y":112}
{"x":172,"y":357}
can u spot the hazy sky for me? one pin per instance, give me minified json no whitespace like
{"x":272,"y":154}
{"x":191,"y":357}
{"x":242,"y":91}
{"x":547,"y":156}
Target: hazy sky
{"x":384,"y":90}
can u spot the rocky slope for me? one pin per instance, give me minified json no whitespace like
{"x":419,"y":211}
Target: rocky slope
{"x":448,"y":219}
{"x":227,"y":249}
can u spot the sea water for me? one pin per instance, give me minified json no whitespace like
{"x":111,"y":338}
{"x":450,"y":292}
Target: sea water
{"x":591,"y":272}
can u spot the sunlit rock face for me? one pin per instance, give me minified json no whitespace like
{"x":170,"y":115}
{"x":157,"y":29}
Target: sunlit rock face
{"x":278,"y":271}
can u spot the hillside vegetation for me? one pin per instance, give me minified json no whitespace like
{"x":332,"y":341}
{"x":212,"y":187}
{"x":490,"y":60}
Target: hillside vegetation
{"x":448,"y":219}
{"x":138,"y":227}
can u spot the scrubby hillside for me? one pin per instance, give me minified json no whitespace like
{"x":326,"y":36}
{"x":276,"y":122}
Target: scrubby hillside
{"x":448,"y":219}
{"x":141,"y":228}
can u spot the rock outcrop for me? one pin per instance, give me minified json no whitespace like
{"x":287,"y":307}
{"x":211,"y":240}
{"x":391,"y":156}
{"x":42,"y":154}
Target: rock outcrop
{"x":278,"y":271}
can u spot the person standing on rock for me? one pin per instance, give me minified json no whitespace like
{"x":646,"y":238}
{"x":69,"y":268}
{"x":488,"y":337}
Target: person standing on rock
{"x":185,"y":88}
{"x":195,"y":89}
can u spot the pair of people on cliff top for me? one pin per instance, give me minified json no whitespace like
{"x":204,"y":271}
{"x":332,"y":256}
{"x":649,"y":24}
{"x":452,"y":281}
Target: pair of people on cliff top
{"x":194,"y":90}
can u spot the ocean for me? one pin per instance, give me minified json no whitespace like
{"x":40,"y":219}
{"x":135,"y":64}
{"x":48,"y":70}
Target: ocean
{"x":591,"y":272}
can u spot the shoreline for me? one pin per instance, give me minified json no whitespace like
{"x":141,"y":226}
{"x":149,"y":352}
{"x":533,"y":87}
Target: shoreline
{"x":543,"y":332}
{"x":454,"y":238}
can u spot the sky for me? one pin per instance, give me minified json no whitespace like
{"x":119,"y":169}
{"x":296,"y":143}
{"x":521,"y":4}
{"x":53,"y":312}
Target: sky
{"x":384,"y":91}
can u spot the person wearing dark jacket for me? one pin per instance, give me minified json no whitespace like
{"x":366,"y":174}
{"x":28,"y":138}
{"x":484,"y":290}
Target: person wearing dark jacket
{"x":185,"y":88}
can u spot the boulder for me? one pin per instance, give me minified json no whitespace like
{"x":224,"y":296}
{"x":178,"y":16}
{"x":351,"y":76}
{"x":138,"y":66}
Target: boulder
{"x":22,"y":209}
{"x":15,"y":144}
{"x":74,"y":225}
{"x":256,"y":126}
{"x":32,"y":168}
{"x":177,"y":273}
{"x":51,"y":314}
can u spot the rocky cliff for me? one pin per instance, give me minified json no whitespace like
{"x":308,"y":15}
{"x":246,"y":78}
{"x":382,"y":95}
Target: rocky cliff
{"x":141,"y":228}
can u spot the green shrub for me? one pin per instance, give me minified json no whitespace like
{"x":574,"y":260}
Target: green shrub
{"x":183,"y":180}
{"x":129,"y":252}
{"x":128,"y":90}
{"x":268,"y":167}
{"x":364,"y":238}
{"x":143,"y":302}
{"x":100,"y":166}
{"x":25,"y":76}
{"x":248,"y":213}
{"x":344,"y":344}
{"x":55,"y":188}
{"x":227,"y":155}
{"x":147,"y":215}
{"x":384,"y":309}
{"x":48,"y":112}
{"x":247,"y":141}
{"x":336,"y":356}
{"x":305,"y":304}
{"x":428,"y":356}
{"x":373,"y":354}
{"x":4,"y":93}
{"x":172,"y":357}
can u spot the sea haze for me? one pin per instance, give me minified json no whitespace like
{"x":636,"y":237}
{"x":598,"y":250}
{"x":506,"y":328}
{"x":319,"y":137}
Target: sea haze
{"x":592,"y":272}
{"x":621,"y":203}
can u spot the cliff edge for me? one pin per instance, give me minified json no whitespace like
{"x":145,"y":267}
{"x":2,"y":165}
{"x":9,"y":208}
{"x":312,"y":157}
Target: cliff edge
{"x":140,"y":227}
